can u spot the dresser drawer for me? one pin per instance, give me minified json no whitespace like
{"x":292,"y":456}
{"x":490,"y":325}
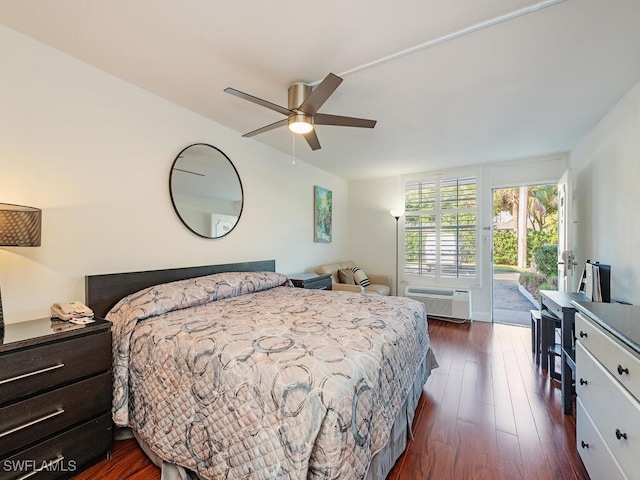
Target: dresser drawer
{"x":621,"y":363}
{"x":38,"y":417}
{"x":31,"y":370}
{"x":615,"y":413}
{"x":63,"y":455}
{"x":595,"y":455}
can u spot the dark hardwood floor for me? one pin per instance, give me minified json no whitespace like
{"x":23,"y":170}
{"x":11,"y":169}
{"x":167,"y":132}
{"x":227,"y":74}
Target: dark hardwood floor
{"x":487,"y":412}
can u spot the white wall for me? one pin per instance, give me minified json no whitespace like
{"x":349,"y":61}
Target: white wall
{"x":606,"y":196}
{"x":372,"y":228}
{"x":372,"y":242}
{"x":94,"y":152}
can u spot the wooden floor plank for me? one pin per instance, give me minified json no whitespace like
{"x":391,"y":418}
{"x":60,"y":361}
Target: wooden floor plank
{"x":487,"y":413}
{"x":467,"y":409}
{"x":444,"y":428}
{"x":510,"y":464}
{"x":465,"y":443}
{"x":127,"y":462}
{"x":502,"y":397}
{"x":485,"y":452}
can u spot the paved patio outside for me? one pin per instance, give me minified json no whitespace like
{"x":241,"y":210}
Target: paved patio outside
{"x":510,"y":306}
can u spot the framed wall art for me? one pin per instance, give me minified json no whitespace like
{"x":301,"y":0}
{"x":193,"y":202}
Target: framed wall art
{"x":322,"y":209}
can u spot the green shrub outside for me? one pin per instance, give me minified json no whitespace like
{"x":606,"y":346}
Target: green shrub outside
{"x":545,"y":258}
{"x":536,"y":239}
{"x":546,"y":276}
{"x":531,"y":279}
{"x":533,"y":282}
{"x":505,"y":244}
{"x":505,"y":247}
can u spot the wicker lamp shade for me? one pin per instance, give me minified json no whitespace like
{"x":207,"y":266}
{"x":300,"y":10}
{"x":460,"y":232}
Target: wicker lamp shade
{"x":20,"y":226}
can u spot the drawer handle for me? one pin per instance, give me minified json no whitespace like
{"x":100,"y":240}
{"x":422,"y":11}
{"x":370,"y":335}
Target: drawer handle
{"x":32,"y":422}
{"x":583,"y":334}
{"x":584,"y":445}
{"x":583,"y":382}
{"x":622,"y":370}
{"x":620,"y":435}
{"x":45,"y":466}
{"x":30,"y":374}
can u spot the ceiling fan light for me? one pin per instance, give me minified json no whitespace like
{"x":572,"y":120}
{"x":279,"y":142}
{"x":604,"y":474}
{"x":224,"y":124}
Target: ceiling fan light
{"x":300,"y":124}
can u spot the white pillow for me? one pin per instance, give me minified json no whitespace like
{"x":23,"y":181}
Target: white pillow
{"x":360,"y":277}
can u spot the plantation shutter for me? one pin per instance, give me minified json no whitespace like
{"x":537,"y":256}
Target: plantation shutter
{"x":440,"y":227}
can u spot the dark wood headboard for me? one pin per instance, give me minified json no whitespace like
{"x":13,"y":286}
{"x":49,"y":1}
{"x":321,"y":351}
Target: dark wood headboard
{"x":104,"y":291}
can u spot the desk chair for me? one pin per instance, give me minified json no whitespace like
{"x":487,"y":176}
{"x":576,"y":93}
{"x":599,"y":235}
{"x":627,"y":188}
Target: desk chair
{"x":535,"y":333}
{"x":548,"y":347}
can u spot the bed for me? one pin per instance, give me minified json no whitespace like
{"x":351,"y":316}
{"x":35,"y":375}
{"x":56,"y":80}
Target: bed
{"x":227,"y":371}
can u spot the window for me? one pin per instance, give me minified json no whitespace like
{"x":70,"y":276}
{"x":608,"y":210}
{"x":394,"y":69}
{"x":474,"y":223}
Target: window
{"x":440,"y":227}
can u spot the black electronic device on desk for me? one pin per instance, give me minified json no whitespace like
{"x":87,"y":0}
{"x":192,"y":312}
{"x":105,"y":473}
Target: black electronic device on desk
{"x":595,"y":281}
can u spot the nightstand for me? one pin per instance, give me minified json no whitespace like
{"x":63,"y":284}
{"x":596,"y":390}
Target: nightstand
{"x":311,"y":280}
{"x":55,"y":398}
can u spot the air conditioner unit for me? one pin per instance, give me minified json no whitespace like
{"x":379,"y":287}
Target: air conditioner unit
{"x":442,"y":302}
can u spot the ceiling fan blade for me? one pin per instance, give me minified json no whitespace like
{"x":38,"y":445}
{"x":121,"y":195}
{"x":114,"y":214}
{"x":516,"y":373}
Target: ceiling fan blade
{"x":279,"y":123}
{"x":340,"y":121}
{"x":312,"y":140}
{"x":259,"y":101}
{"x":320,"y":94}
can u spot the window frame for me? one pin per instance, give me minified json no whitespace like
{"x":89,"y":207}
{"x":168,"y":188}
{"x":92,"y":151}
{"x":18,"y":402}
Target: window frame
{"x":438,"y":278}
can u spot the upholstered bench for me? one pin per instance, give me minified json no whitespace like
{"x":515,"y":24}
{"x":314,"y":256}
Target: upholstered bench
{"x":380,"y":284}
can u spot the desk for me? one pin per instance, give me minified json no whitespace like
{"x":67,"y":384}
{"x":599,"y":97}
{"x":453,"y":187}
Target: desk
{"x":559,"y":303}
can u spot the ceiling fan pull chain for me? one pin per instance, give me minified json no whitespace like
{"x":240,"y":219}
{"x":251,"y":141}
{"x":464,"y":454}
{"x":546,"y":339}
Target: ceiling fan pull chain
{"x":293,"y":150}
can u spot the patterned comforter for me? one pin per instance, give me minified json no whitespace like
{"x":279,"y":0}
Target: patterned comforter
{"x":238,"y":375}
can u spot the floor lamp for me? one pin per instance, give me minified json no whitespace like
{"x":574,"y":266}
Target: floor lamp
{"x":396,"y":214}
{"x":19,"y":227}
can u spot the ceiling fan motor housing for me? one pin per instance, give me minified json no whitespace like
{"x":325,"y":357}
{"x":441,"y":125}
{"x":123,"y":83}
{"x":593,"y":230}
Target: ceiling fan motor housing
{"x":299,"y":122}
{"x":298,"y":93}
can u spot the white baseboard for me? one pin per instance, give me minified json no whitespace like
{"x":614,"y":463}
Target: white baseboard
{"x":482,"y":316}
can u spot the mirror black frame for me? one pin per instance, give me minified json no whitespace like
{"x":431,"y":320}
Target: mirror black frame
{"x":173,"y":200}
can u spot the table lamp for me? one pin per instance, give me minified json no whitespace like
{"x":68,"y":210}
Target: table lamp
{"x":20,"y":226}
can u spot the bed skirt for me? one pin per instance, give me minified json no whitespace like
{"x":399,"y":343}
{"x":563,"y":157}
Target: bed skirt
{"x":381,"y":463}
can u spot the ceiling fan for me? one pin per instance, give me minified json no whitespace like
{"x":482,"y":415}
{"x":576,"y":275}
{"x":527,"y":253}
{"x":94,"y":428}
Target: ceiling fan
{"x":302,"y":114}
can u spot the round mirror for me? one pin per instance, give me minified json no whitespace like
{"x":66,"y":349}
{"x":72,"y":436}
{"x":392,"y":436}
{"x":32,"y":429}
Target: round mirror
{"x":206,"y":191}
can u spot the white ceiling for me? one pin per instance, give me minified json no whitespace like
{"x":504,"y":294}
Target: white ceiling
{"x":530,"y":86}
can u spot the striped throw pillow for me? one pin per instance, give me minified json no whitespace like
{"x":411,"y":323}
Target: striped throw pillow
{"x":360,"y":277}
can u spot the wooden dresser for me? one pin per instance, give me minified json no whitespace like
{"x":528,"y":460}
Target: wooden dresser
{"x":608,"y":389}
{"x":55,"y":398}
